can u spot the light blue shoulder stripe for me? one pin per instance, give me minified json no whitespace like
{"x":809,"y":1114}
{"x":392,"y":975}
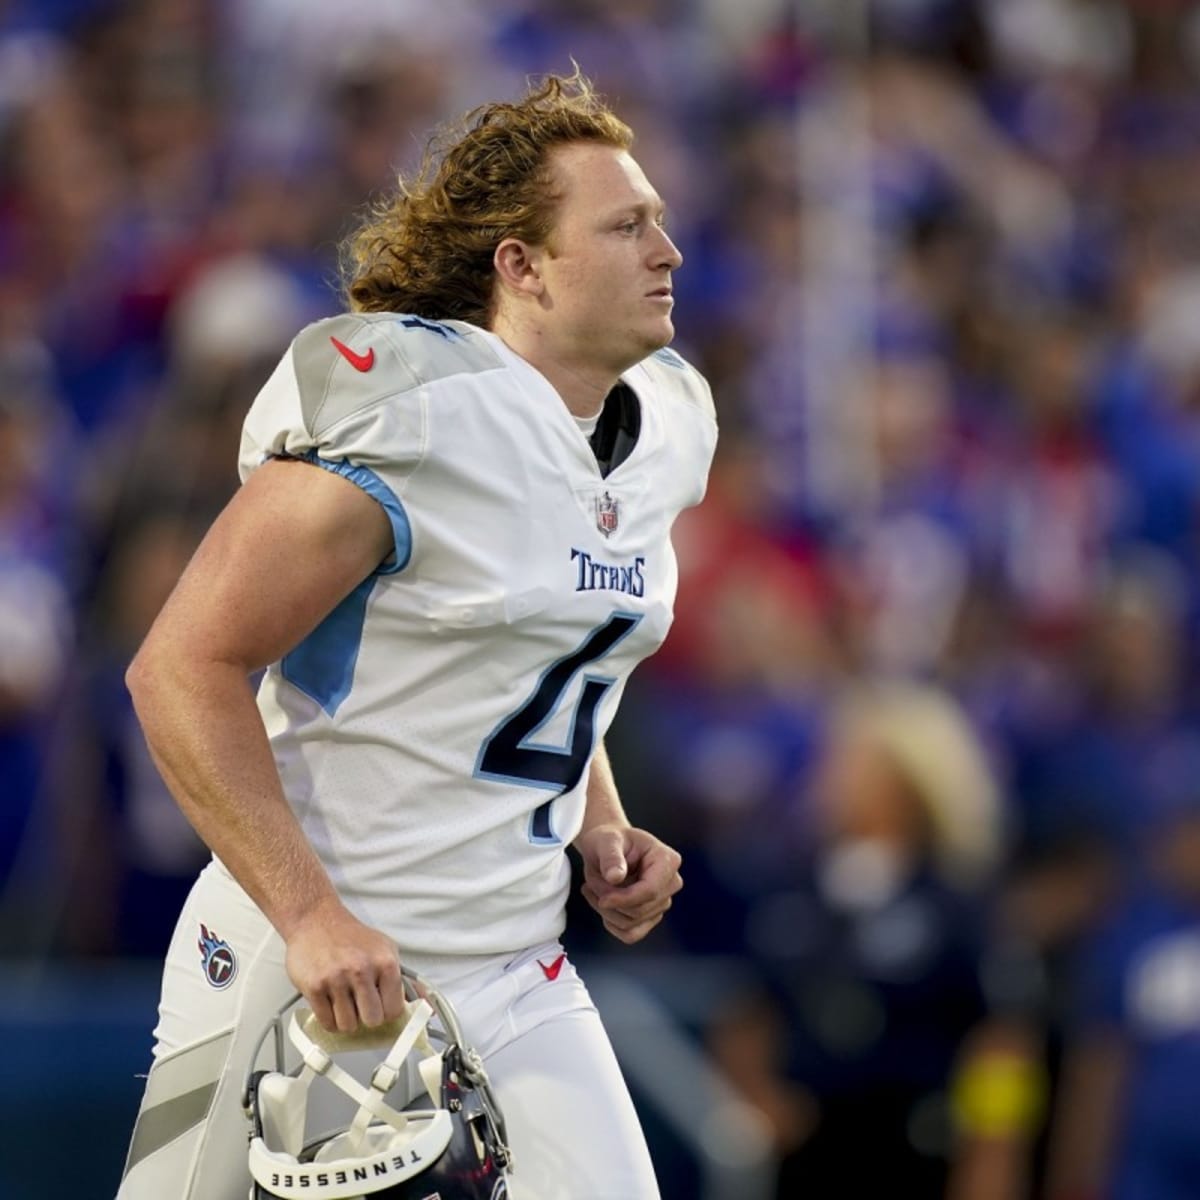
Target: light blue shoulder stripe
{"x":322,"y":666}
{"x":383,"y":495}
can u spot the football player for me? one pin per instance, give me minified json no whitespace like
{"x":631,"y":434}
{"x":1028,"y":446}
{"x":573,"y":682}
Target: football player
{"x":450,"y":549}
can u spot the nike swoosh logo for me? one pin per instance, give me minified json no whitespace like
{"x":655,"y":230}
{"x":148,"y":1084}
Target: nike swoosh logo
{"x":551,"y":971}
{"x":360,"y":362}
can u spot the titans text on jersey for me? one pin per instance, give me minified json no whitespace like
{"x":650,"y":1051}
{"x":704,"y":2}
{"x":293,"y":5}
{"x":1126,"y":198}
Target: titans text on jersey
{"x":593,"y":574}
{"x":433,"y":733}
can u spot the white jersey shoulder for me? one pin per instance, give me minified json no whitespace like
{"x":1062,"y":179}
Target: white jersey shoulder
{"x":348,"y":362}
{"x":350,"y":387}
{"x":675,"y":379}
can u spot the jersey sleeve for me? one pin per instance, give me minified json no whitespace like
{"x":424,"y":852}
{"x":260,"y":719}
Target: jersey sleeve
{"x":344,"y":399}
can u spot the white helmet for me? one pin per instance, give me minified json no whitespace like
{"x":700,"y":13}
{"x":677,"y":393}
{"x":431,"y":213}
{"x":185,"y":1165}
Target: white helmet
{"x":449,"y":1143}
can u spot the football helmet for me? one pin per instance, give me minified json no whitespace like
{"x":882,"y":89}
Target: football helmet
{"x":447,"y":1144}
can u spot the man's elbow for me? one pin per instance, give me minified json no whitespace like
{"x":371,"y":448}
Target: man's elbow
{"x":140,"y":677}
{"x":176,"y":670}
{"x":149,"y":676}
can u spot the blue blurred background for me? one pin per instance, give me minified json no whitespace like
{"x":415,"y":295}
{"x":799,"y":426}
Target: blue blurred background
{"x":925,"y":727}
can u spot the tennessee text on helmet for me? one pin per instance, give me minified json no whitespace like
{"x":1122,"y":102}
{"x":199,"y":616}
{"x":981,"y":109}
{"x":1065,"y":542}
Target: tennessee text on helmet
{"x":453,"y":1147}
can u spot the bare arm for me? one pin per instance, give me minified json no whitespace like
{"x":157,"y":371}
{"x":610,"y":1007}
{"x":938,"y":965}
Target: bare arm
{"x":999,"y":1099}
{"x":603,"y":803}
{"x":629,"y":876}
{"x":290,"y":545}
{"x":1087,"y":1115}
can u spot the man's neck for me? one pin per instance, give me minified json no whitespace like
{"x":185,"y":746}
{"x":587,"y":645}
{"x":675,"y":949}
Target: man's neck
{"x":582,"y":387}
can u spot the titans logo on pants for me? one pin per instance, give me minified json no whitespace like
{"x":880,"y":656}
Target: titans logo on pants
{"x":217,"y":959}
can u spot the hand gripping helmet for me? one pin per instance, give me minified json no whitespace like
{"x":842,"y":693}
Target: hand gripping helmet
{"x":447,"y":1145}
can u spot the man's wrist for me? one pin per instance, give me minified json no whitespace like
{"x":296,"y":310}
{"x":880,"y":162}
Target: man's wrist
{"x":303,"y":910}
{"x":618,"y":823}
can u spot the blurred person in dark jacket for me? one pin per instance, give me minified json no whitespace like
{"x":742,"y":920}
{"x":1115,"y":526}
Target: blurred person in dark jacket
{"x":877,"y":959}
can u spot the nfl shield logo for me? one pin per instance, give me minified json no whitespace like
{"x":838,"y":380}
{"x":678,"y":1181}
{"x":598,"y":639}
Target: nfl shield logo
{"x":608,"y":514}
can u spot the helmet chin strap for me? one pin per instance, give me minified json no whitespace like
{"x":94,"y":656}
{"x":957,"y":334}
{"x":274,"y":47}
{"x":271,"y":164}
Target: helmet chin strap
{"x":381,"y":1143}
{"x":317,"y":1046}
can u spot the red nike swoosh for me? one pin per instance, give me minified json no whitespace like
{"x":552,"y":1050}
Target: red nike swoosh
{"x":551,"y":971}
{"x":360,"y":362}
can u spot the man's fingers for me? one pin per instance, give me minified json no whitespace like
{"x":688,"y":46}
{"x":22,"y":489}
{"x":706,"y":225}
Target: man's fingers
{"x":322,"y":1010}
{"x":632,"y":908}
{"x":616,"y":905}
{"x":391,"y":992}
{"x":345,"y":1014}
{"x":634,"y":933}
{"x":369,"y":1004}
{"x":626,"y":918}
{"x":348,"y":972}
{"x":642,"y":894}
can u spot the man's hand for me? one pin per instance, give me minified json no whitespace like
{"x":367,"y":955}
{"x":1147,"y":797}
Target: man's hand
{"x":629,"y":877}
{"x":348,"y":972}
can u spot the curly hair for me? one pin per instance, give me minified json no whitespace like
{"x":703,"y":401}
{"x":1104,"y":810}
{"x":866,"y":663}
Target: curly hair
{"x":428,"y":247}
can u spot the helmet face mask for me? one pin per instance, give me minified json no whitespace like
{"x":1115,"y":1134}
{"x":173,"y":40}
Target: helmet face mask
{"x":447,"y":1144}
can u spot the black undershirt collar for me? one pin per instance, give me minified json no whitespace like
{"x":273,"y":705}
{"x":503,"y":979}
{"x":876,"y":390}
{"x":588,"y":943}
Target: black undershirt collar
{"x":616,"y":434}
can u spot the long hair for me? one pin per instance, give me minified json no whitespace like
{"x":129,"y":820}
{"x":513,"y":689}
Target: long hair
{"x":934,"y":746}
{"x":427,"y":248}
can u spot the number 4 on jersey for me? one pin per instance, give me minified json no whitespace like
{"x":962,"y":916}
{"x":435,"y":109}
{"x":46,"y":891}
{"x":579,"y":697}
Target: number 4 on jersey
{"x":509,"y":754}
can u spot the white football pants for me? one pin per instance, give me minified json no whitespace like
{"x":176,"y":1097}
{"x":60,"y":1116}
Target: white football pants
{"x":571,"y":1125}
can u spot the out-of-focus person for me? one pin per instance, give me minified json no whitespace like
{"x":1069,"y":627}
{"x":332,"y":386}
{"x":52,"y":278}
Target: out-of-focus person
{"x":876,"y":955}
{"x":36,"y":621}
{"x":1125,"y":1118}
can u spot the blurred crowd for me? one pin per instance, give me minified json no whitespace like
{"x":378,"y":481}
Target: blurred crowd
{"x":924,"y":729}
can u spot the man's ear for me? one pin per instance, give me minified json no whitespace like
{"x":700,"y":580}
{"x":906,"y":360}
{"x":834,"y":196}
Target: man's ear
{"x":518,"y":266}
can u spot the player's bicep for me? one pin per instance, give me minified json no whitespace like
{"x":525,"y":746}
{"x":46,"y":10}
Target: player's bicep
{"x":291,"y":544}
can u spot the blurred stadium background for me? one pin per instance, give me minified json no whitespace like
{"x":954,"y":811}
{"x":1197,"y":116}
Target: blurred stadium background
{"x":924,"y":729}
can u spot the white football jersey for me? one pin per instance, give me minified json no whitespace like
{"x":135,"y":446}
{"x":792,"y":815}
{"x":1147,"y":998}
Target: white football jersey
{"x":434,"y":733}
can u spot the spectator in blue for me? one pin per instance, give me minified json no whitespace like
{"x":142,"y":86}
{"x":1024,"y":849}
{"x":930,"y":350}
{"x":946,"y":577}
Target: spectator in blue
{"x":35,"y":615}
{"x":1120,"y":746}
{"x":1126,"y":1127}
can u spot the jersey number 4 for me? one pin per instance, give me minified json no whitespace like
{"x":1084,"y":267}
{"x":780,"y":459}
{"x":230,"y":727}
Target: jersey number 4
{"x":510,"y":753}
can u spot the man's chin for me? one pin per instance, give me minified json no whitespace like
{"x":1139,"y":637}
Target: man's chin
{"x":653,"y":340}
{"x":663,"y":337}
